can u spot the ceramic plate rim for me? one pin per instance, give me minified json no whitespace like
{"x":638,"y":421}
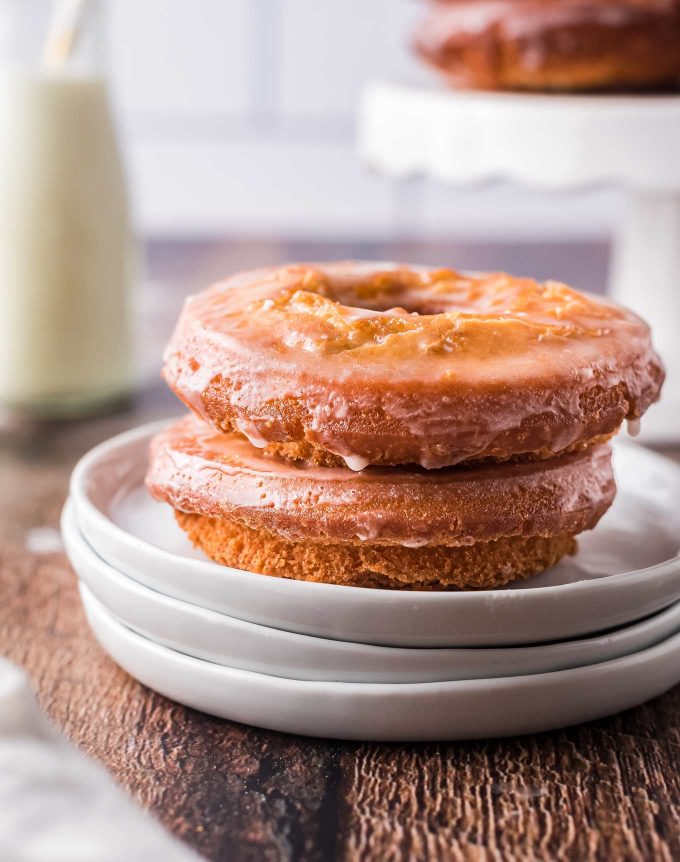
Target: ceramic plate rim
{"x":83,"y":503}
{"x":376,"y":687}
{"x":454,"y":710}
{"x":593,"y":102}
{"x":70,"y":527}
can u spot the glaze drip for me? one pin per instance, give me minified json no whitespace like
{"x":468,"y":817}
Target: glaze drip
{"x":220,"y":475}
{"x":380,"y":363}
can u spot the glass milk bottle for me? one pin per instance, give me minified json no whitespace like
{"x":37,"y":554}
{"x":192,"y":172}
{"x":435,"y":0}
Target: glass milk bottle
{"x":66,"y":249}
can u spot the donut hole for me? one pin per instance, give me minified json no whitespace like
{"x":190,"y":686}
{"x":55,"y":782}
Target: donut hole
{"x":413,"y":306}
{"x":410,"y":307}
{"x":398,"y":293}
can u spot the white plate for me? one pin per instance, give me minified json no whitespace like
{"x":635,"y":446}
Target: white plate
{"x":626,"y":569}
{"x":556,"y":140}
{"x":234,"y":643}
{"x":467,"y":709}
{"x":540,"y":139}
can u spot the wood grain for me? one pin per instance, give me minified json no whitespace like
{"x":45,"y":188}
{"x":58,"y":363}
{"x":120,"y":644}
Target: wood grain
{"x":596,"y":792}
{"x":608,"y":790}
{"x":230,"y":791}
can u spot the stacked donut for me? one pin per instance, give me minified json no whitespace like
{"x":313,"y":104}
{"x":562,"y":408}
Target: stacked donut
{"x":389,"y":426}
{"x":553,"y":44}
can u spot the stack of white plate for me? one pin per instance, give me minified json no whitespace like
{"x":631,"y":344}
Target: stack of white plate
{"x":598,"y":633}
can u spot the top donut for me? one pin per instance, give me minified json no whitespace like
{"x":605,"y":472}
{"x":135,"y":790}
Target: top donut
{"x":372,"y":363}
{"x":553,"y":44}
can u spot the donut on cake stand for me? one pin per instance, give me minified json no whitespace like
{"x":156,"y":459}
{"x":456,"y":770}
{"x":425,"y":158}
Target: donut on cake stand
{"x":559,"y":142}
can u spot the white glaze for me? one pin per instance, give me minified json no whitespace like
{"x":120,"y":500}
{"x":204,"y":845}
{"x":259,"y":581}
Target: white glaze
{"x":503,"y":352}
{"x":356,"y":462}
{"x":634,"y":427}
{"x":221,"y":475}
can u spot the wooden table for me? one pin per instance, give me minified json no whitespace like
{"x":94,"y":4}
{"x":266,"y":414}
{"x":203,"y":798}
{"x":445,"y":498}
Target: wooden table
{"x":608,"y":790}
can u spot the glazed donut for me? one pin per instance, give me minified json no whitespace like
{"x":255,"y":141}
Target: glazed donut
{"x":367,"y":363}
{"x":553,"y":44}
{"x":465,"y":527}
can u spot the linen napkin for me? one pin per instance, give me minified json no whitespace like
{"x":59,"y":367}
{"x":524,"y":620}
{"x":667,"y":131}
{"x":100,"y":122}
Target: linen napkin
{"x":58,"y":806}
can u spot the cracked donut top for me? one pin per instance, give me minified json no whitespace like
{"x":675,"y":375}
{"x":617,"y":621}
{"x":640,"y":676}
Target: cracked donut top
{"x":383,"y":363}
{"x":405,"y":316}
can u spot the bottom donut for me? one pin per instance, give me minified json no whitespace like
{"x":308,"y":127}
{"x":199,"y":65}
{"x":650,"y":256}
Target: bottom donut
{"x":484,"y":565}
{"x":466,"y":527}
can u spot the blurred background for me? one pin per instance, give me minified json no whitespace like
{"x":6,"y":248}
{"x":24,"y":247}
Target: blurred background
{"x":238,"y":119}
{"x":238,"y":124}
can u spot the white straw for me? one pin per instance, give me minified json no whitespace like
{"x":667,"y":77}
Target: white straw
{"x":64,"y":30}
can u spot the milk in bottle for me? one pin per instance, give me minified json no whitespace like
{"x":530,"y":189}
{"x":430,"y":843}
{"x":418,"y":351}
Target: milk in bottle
{"x":66,"y":251}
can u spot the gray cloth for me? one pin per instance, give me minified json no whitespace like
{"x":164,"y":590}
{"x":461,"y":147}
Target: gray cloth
{"x":58,"y":806}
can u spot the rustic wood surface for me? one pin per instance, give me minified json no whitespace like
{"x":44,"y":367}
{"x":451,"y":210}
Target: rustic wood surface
{"x":608,"y":790}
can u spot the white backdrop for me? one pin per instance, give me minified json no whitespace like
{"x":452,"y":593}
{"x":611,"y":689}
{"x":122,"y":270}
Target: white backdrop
{"x":238,"y":118}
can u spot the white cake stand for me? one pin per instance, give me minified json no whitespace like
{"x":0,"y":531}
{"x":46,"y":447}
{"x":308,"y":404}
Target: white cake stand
{"x":561,"y":143}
